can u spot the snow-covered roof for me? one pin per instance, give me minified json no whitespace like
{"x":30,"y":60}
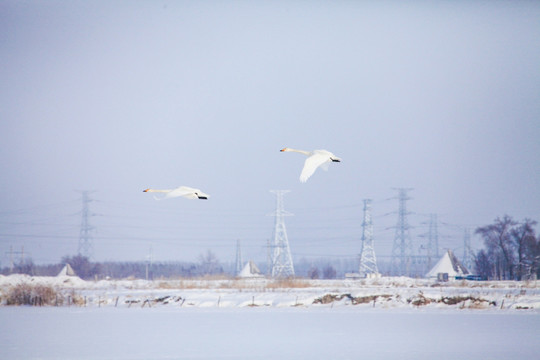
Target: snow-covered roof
{"x":448,"y":264}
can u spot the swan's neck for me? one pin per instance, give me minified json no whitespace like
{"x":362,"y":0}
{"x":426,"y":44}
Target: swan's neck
{"x":307,"y":153}
{"x":158,"y":191}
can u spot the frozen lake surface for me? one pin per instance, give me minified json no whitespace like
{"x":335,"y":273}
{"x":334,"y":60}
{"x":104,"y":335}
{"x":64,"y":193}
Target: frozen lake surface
{"x":266,"y":333}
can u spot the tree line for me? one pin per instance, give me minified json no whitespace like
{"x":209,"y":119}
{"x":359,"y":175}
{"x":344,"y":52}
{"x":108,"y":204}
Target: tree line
{"x":207,"y":264}
{"x":83,"y":267}
{"x":511,"y":250}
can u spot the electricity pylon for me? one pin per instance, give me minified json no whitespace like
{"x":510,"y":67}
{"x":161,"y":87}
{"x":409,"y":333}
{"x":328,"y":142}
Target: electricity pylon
{"x":368,"y":261}
{"x":432,"y":247}
{"x":282,"y":264}
{"x":468,"y":255}
{"x":85,"y":237}
{"x":402,"y":248}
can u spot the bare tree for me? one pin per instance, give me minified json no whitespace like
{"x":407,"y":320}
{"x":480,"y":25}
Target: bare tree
{"x":329,"y":272}
{"x":524,"y":239}
{"x":313,"y":272}
{"x":82,"y":266}
{"x":25,"y":266}
{"x":209,"y":264}
{"x":498,"y":242}
{"x":483,"y":264}
{"x":534,"y":258}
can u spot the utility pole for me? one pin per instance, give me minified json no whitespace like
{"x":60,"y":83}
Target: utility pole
{"x":11,"y":261}
{"x":85,"y":237}
{"x":282,"y":264}
{"x":434,"y":235}
{"x":239,"y":263}
{"x":402,"y":248}
{"x":368,"y":261}
{"x":149,"y":262}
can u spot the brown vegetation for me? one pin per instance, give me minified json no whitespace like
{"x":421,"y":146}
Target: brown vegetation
{"x":35,"y":295}
{"x":330,"y":298}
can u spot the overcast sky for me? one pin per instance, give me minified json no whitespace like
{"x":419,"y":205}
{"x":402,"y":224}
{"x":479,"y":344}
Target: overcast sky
{"x":116,"y":96}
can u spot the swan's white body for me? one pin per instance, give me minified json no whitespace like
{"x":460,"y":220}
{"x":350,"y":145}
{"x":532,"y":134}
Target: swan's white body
{"x":316,"y":158}
{"x":184,"y":191}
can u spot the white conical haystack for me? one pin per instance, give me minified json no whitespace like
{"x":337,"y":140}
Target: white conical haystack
{"x":448,"y":264}
{"x":250,"y":270}
{"x":67,"y":270}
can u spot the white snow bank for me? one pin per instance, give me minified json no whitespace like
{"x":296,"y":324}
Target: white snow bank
{"x":386,"y":292}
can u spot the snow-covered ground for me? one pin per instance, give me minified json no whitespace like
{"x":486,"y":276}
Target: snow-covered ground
{"x":388,"y":318}
{"x":386,"y":292}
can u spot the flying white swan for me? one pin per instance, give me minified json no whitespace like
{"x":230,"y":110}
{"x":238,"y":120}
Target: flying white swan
{"x":316,"y":158}
{"x":184,"y":191}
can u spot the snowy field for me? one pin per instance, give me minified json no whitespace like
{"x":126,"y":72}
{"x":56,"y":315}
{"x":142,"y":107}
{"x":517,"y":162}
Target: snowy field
{"x":388,"y":318}
{"x":385,"y":292}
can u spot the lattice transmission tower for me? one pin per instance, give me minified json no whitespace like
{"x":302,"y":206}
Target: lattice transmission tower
{"x":402,"y":248}
{"x":468,"y":255}
{"x":85,"y":236}
{"x":432,"y":247}
{"x":368,"y":261}
{"x":282,"y":264}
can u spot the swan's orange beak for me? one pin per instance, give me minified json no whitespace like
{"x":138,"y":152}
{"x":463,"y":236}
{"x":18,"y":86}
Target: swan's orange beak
{"x":283,"y":149}
{"x":146,"y":190}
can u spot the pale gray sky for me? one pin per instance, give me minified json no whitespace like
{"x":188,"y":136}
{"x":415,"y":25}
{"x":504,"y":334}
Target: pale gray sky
{"x":115,"y":97}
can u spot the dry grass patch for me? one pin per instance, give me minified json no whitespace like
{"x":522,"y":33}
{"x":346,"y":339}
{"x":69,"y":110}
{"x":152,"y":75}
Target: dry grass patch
{"x":35,"y":295}
{"x":288,"y":284}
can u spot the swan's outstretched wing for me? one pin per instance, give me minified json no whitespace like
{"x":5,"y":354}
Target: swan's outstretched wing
{"x":312,"y":163}
{"x":188,"y":192}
